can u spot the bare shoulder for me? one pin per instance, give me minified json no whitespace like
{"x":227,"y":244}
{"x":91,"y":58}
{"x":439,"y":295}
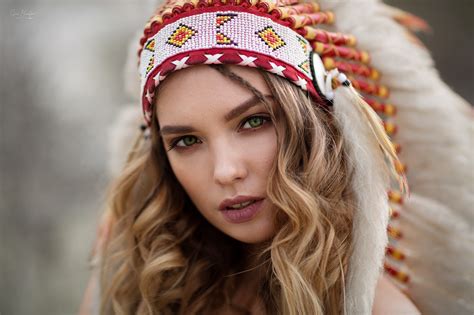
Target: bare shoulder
{"x":389,"y":300}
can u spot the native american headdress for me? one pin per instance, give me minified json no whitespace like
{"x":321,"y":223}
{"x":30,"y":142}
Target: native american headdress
{"x":360,"y":59}
{"x":288,"y":38}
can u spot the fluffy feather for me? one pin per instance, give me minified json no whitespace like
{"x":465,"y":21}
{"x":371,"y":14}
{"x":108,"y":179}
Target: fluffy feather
{"x":371,"y":181}
{"x":435,"y":124}
{"x":438,"y":247}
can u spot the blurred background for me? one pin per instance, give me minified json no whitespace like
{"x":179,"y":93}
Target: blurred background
{"x":61,"y":68}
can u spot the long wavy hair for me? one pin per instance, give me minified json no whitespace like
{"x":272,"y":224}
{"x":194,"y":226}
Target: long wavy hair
{"x":163,"y":257}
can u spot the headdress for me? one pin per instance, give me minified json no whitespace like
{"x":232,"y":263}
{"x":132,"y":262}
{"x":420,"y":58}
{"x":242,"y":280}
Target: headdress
{"x":287,"y":38}
{"x":291,"y":38}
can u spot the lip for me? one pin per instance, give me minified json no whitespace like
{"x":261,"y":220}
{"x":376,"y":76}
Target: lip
{"x":245,"y":214}
{"x":238,"y":199}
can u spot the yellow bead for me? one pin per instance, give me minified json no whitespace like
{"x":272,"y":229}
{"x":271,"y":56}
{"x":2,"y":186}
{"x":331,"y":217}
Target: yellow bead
{"x":374,"y":74}
{"x":351,"y":41}
{"x":389,"y":110}
{"x":364,"y":57}
{"x":383,"y":91}
{"x":390,"y":128}
{"x":330,"y":17}
{"x":329,"y":63}
{"x":318,"y":47}
{"x":400,"y":167}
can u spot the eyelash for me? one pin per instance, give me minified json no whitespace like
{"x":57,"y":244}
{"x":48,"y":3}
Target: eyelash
{"x":174,"y":142}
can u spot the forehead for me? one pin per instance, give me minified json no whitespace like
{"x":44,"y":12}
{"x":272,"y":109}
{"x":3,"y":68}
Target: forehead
{"x":202,"y":88}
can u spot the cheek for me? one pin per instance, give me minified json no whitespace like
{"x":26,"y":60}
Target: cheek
{"x":194,"y":173}
{"x":263,"y":153}
{"x":192,"y":178}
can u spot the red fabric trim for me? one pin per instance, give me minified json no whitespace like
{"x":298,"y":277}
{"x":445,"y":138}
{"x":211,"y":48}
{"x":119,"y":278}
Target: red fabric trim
{"x":231,"y":56}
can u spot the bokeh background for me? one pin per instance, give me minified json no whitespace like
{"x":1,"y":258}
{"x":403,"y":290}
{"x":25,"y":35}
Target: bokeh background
{"x":61,"y":86}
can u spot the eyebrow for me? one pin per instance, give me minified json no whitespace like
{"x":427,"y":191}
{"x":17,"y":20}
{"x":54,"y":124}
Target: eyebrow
{"x":235,"y":112}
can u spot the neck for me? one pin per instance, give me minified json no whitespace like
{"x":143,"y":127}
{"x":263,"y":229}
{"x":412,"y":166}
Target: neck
{"x":250,"y":277}
{"x":252,"y":253}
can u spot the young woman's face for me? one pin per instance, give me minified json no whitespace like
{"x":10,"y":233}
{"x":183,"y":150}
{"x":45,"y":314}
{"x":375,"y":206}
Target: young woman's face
{"x":221,"y":144}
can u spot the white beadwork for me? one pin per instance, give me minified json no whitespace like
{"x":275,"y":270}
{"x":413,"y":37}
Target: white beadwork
{"x":242,"y":29}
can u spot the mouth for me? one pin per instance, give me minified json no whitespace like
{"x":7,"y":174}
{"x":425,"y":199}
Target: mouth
{"x":241,"y":205}
{"x":238,"y":202}
{"x":242,"y":212}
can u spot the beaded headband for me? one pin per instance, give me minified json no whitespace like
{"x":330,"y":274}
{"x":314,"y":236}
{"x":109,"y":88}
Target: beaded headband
{"x":281,"y":37}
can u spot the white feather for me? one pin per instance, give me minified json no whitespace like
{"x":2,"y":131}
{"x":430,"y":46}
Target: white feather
{"x":370,"y":183}
{"x":435,"y":124}
{"x":438,"y":245}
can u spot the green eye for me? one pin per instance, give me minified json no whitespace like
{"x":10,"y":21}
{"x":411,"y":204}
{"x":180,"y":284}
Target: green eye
{"x":255,"y":122}
{"x":183,"y":142}
{"x":189,"y":140}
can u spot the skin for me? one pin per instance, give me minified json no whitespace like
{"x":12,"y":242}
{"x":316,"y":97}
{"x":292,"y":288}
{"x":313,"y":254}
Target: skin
{"x":389,"y":300}
{"x":220,"y":159}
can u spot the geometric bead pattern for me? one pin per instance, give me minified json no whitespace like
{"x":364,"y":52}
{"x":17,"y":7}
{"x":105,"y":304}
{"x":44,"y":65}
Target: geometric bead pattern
{"x":223,"y":39}
{"x":181,"y":35}
{"x":305,"y":66}
{"x":150,"y":45}
{"x":271,"y":38}
{"x":221,"y":19}
{"x":150,"y":64}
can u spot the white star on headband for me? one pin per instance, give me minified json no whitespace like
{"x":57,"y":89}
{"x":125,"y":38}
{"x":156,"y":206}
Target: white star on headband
{"x":301,"y":82}
{"x":181,"y":64}
{"x":213,"y":59}
{"x":277,"y":69}
{"x":247,"y":61}
{"x":149,"y":96}
{"x":158,"y":77}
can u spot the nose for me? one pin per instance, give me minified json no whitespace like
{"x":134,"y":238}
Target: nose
{"x":229,"y":165}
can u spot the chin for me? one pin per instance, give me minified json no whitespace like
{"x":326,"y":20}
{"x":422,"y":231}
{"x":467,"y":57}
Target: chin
{"x":252,"y":234}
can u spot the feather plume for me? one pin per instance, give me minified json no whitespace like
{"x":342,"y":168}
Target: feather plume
{"x":368,"y":148}
{"x":433,"y":235}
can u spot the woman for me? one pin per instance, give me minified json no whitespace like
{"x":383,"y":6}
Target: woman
{"x":257,"y":192}
{"x":220,"y":252}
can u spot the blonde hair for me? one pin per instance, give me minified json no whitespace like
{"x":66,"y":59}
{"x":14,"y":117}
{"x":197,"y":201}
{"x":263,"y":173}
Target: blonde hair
{"x":163,"y":257}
